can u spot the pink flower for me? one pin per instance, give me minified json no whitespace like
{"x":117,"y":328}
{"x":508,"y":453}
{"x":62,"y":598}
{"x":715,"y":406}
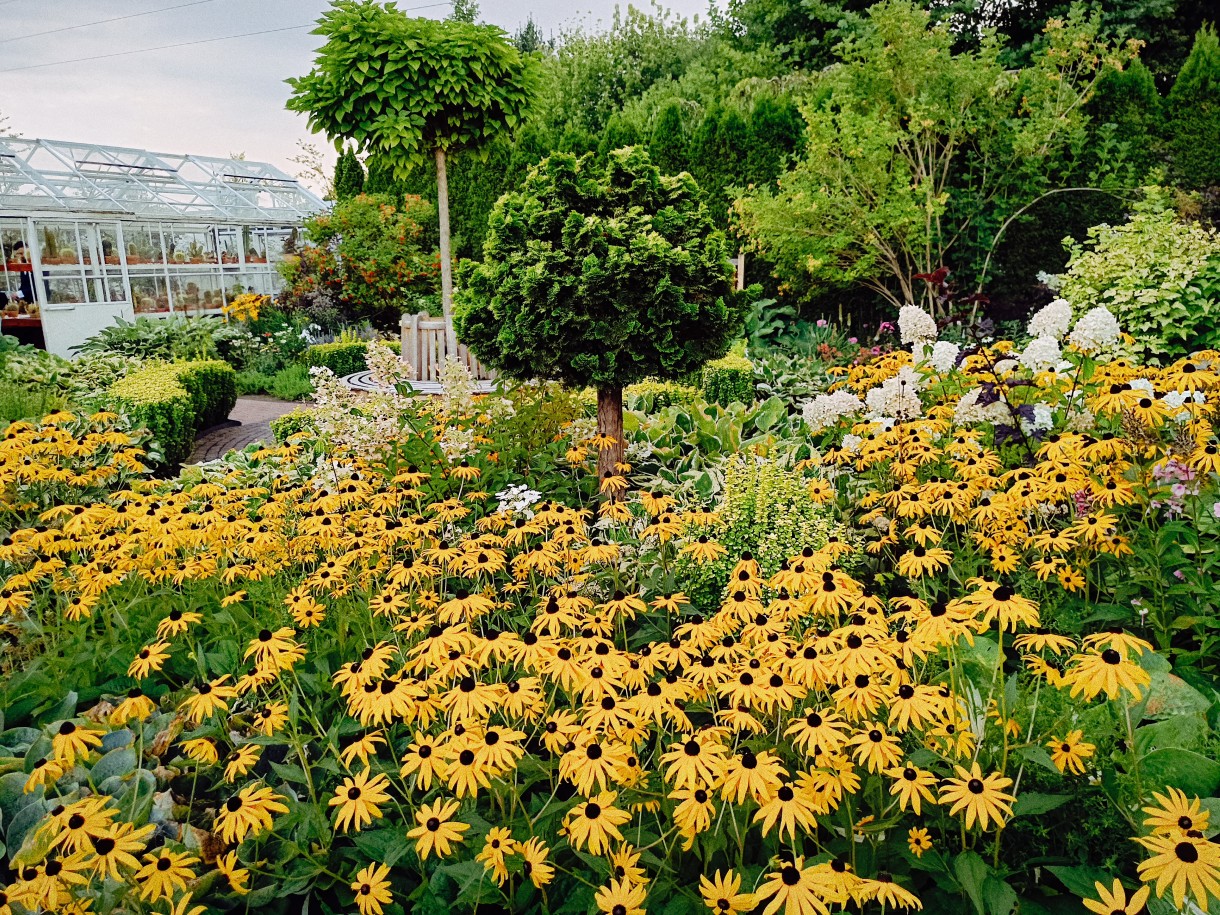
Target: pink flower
{"x":822,"y":322}
{"x":852,"y":340}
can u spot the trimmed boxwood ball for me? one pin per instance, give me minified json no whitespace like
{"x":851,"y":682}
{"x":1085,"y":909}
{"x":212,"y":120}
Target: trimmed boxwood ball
{"x":600,"y":275}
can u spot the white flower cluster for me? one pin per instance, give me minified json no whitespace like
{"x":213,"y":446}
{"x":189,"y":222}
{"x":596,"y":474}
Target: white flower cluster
{"x":1051,"y":321}
{"x":896,"y":397}
{"x":827,"y":409}
{"x":1096,"y":330}
{"x":969,"y":411}
{"x":1176,"y":400}
{"x":944,"y":356}
{"x":458,"y":395}
{"x":1043,"y":420}
{"x":364,"y":421}
{"x":456,"y":442}
{"x":517,"y":499}
{"x":387,"y":367}
{"x":1041,"y":354}
{"x":915,"y":325}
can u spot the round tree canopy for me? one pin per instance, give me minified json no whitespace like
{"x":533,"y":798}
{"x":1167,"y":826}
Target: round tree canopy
{"x":599,"y":274}
{"x":402,"y":87}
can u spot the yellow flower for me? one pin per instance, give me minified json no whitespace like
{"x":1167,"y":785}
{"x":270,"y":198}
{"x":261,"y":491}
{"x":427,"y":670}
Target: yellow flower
{"x":981,"y":797}
{"x":595,"y":822}
{"x":1114,"y":901}
{"x":164,"y":873}
{"x":1185,"y":863}
{"x":723,"y":894}
{"x":372,"y":889}
{"x":73,"y":741}
{"x":918,"y":840}
{"x":241,"y":761}
{"x":359,"y":799}
{"x":1070,"y":752}
{"x":621,"y":897}
{"x":435,"y":832}
{"x":248,"y":811}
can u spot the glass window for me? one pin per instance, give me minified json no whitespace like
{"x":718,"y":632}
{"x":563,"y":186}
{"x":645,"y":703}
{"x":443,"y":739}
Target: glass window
{"x":189,"y":245}
{"x":16,"y":278}
{"x":195,"y":293}
{"x":230,"y":240}
{"x":143,"y":243}
{"x":65,"y":290}
{"x":149,"y":293}
{"x":110,"y":245}
{"x":255,"y":243}
{"x":280,"y":243}
{"x":57,"y":244}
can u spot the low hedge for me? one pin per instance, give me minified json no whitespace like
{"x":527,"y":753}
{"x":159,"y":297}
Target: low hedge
{"x":288,"y":425}
{"x":345,"y":357}
{"x":729,"y":380}
{"x":177,"y":400}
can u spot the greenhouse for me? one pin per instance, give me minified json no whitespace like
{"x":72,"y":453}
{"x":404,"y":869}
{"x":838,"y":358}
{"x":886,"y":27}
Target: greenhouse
{"x":94,"y":233}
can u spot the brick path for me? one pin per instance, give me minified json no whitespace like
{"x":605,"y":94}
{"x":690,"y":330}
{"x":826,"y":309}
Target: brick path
{"x":253,"y":416}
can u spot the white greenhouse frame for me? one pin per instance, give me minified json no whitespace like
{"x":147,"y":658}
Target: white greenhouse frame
{"x":90,"y":233}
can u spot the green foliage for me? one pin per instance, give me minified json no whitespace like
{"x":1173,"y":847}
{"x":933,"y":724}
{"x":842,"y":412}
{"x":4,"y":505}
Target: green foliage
{"x":1147,"y":271}
{"x":349,"y":175}
{"x":402,"y":87}
{"x":668,"y":147}
{"x":368,"y":257}
{"x":341,"y":357}
{"x":599,"y":276}
{"x":252,"y":381}
{"x":176,"y":337}
{"x":20,"y":402}
{"x":916,"y":153}
{"x":1192,"y":122}
{"x":291,"y":383}
{"x":288,"y":425}
{"x":764,"y":509}
{"x":174,"y":401}
{"x":729,"y":380}
{"x":651,"y":396}
{"x":1128,"y":99}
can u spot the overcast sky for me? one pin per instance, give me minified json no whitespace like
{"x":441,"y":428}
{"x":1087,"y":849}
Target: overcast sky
{"x":211,"y":98}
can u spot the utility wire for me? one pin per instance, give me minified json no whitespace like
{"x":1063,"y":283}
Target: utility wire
{"x":186,"y":44}
{"x":85,"y":25}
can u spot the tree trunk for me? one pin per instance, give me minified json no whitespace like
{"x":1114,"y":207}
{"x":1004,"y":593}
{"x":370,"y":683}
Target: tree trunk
{"x":610,"y":422}
{"x":442,"y":213}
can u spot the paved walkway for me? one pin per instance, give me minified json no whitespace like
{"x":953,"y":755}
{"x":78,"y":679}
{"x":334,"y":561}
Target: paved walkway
{"x":249,"y":422}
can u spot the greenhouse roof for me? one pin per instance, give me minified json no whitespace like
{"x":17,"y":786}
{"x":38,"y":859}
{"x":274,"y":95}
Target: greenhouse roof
{"x":48,"y":176}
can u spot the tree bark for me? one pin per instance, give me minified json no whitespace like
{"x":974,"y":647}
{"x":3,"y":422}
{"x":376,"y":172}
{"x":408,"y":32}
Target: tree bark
{"x":442,"y":213}
{"x":610,"y":422}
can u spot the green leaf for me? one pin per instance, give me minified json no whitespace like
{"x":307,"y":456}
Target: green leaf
{"x":1040,"y":756}
{"x":1000,"y":898}
{"x":118,"y":762}
{"x":769,"y":413}
{"x":1032,"y":802}
{"x":972,"y":872}
{"x":1186,"y":770}
{"x":1080,"y":880}
{"x":385,"y":845}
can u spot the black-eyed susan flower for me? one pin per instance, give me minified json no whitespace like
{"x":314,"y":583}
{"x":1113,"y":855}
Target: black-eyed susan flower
{"x":981,"y":798}
{"x":918,"y":840}
{"x":1070,"y":752}
{"x":250,"y":810}
{"x":722,"y":894}
{"x":595,"y":822}
{"x":371,"y":888}
{"x":1115,"y":901}
{"x":1186,"y":863}
{"x":359,"y":799}
{"x":437,"y":832}
{"x":621,"y":897}
{"x":164,"y":874}
{"x":71,"y":741}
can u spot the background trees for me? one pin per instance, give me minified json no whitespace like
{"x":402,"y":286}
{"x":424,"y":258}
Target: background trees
{"x":600,"y":275}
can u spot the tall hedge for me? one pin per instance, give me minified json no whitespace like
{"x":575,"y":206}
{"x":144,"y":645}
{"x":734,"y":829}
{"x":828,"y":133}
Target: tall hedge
{"x":1192,"y":121}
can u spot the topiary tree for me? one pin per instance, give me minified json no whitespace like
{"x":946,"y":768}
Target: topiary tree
{"x":1192,"y":125}
{"x":405,"y":90}
{"x":349,"y":176}
{"x":600,"y":275}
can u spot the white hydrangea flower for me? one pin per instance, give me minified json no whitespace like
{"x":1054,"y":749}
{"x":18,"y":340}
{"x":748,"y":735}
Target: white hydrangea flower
{"x":826,"y":409}
{"x":1042,"y":353}
{"x":944,"y":356}
{"x":1004,"y":366}
{"x":896,"y":397}
{"x":1052,"y":321}
{"x":915,"y":325}
{"x":852,"y":442}
{"x":1096,"y":330}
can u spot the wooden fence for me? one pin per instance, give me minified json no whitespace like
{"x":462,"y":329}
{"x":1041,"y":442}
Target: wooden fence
{"x":424,"y":349}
